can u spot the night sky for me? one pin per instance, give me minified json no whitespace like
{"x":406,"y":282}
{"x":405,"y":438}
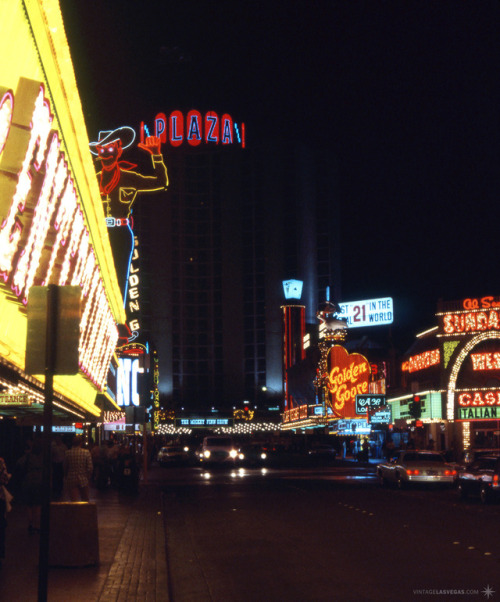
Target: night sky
{"x":406,"y":94}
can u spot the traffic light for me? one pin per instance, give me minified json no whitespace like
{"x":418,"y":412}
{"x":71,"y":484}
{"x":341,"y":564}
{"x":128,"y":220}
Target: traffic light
{"x":416,"y":407}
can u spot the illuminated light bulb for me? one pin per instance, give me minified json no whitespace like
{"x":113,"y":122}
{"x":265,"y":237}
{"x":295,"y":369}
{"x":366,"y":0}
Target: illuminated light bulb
{"x":6,"y":110}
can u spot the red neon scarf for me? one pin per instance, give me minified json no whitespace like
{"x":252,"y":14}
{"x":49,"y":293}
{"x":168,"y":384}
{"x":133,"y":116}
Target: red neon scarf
{"x":116,"y":168}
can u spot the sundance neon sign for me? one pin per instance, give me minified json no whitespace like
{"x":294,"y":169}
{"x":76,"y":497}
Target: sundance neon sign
{"x":195,"y":129}
{"x":472,"y":321}
{"x":43,"y":236}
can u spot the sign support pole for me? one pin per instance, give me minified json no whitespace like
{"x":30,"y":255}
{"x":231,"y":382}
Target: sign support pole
{"x":50,"y":359}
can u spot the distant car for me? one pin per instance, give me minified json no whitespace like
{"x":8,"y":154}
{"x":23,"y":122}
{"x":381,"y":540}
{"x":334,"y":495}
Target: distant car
{"x":481,"y":478}
{"x":218,"y":450}
{"x":323,"y":451}
{"x":252,"y":454}
{"x":173,"y":454}
{"x":414,"y":466}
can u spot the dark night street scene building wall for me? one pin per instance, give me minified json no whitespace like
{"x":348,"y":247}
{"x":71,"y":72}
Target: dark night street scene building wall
{"x":369,"y":167}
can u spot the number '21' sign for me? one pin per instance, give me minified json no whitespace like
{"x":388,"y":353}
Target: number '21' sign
{"x":373,"y":312}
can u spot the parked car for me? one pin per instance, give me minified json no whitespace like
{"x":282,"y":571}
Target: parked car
{"x":414,"y":466}
{"x":173,"y":454}
{"x":481,"y":478}
{"x":472,"y":454}
{"x":218,"y":450}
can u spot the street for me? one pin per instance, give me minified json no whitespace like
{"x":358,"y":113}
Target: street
{"x":323,"y":533}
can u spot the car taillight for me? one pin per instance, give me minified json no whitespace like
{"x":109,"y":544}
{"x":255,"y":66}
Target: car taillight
{"x":495,"y":479}
{"x":450,"y":473}
{"x":414,"y":472}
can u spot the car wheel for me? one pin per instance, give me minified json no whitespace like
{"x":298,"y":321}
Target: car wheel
{"x":382,"y":480}
{"x":462,"y":491}
{"x":401,"y":483}
{"x":484,"y":494}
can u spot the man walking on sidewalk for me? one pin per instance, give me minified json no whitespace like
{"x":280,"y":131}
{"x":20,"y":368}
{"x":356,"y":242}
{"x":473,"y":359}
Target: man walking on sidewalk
{"x":78,"y":471}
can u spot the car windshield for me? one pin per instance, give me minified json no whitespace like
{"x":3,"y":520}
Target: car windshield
{"x":423,"y":457}
{"x":222,"y":442}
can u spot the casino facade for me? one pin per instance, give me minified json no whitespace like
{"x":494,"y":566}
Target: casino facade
{"x":52,"y":226}
{"x":454,"y":368}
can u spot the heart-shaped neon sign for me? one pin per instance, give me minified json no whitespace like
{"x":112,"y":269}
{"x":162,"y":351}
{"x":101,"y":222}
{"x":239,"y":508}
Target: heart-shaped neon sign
{"x":348,"y":375}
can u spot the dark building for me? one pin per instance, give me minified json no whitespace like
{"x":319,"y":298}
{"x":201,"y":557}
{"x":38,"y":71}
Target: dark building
{"x":215,"y":249}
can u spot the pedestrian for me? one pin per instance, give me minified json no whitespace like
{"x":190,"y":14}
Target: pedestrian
{"x":389,"y":449}
{"x":58,"y":450}
{"x":5,"y":499}
{"x":31,"y":467}
{"x":78,"y":471}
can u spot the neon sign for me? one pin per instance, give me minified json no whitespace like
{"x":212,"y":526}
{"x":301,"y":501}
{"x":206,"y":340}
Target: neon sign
{"x":483,"y":303}
{"x":119,"y":186}
{"x":485,"y":361}
{"x":373,"y":312}
{"x":128,"y":382}
{"x":478,"y":413}
{"x":479,"y":398}
{"x":293,"y":289}
{"x":478,"y":405}
{"x":348,"y":375}
{"x":156,"y":390}
{"x":43,"y":236}
{"x":470,"y":321}
{"x":422,"y":361}
{"x":196,"y":129}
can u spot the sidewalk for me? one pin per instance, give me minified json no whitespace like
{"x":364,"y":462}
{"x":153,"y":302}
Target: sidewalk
{"x":132,"y":554}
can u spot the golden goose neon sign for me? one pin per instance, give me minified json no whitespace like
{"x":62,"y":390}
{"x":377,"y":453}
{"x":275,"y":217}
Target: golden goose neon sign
{"x":43,"y":236}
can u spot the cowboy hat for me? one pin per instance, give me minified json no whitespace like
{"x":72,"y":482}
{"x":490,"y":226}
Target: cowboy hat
{"x":125,"y":134}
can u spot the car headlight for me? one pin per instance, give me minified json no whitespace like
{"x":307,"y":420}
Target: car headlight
{"x":241,"y":456}
{"x":206,"y":453}
{"x":186,"y":449}
{"x":233,"y":453}
{"x":263,"y":456}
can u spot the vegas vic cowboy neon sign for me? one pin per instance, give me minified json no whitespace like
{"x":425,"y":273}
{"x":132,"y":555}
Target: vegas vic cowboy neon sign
{"x":119,"y":185}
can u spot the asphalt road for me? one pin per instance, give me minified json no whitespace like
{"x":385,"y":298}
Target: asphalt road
{"x":324,"y":533}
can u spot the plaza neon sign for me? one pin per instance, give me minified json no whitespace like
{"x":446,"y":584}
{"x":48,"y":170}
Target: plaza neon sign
{"x":43,"y":235}
{"x":195,"y":129}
